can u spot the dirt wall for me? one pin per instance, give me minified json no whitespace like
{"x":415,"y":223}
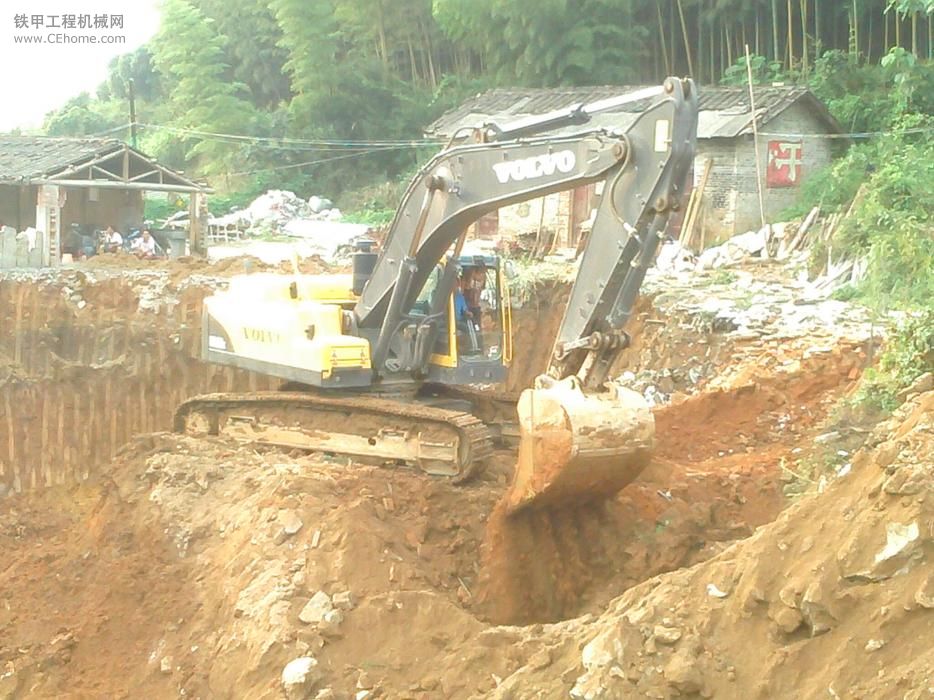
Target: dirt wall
{"x":79,"y":378}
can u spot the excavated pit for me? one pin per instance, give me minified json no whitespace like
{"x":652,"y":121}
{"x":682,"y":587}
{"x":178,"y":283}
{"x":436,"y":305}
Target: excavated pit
{"x":185,"y":533}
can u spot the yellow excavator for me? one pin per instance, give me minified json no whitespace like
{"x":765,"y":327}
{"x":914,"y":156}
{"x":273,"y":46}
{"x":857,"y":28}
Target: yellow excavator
{"x":391,"y":363}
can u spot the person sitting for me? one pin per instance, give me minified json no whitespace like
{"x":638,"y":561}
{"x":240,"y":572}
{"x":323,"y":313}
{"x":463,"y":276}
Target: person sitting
{"x":460,"y":302}
{"x":113,"y":241}
{"x":146,"y":246}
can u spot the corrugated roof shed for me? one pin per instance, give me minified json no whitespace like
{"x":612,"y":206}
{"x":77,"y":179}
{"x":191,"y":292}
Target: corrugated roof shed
{"x":724,"y":111}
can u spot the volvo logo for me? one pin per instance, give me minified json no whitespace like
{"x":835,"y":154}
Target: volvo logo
{"x":261,"y":335}
{"x":536,"y":166}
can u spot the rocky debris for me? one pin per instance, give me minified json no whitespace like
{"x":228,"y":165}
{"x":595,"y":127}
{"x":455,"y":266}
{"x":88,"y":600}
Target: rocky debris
{"x":343,"y":600}
{"x":779,"y":601}
{"x":291,"y":524}
{"x":299,"y":677}
{"x":920,"y":385}
{"x":274,"y":209}
{"x":861,"y":571}
{"x":316,"y":609}
{"x":666,"y":635}
{"x":317,"y":222}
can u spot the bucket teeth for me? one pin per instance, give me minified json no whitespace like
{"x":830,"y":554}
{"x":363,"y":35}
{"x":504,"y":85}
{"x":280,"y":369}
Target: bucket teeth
{"x":576,"y":447}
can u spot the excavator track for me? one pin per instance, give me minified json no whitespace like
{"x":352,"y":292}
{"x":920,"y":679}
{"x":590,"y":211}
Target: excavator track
{"x":438,"y":441}
{"x":496,"y":408}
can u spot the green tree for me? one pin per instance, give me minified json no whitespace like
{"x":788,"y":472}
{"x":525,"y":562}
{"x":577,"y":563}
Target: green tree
{"x":548,"y":42}
{"x":189,"y":53}
{"x":138,"y":67}
{"x":763,"y":71}
{"x":252,"y":47}
{"x":84,"y":116}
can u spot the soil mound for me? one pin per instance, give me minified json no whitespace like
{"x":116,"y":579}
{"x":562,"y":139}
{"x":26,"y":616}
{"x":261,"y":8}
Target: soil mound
{"x":834,"y":599}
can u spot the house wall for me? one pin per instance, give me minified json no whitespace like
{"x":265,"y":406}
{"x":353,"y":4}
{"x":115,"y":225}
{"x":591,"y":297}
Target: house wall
{"x":17,"y":206}
{"x":121,"y":209}
{"x":551,"y":212}
{"x":731,"y":203}
{"x":557,"y":214}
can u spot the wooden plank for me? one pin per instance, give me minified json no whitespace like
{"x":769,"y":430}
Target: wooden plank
{"x":802,"y":232}
{"x":18,"y":325}
{"x":698,"y":194}
{"x":10,"y":435}
{"x":63,"y":467}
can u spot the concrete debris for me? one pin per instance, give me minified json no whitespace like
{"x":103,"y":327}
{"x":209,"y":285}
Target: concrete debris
{"x":299,"y":677}
{"x":316,"y":609}
{"x":714,"y":592}
{"x":291,"y":523}
{"x":666,"y":635}
{"x":343,"y":600}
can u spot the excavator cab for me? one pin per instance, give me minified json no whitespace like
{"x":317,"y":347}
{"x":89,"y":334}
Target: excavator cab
{"x":475,"y":342}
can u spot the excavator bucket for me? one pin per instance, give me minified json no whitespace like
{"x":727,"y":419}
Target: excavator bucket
{"x":575,"y":446}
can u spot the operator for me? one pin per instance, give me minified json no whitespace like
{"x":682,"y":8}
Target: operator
{"x":473,"y":291}
{"x":461,"y":309}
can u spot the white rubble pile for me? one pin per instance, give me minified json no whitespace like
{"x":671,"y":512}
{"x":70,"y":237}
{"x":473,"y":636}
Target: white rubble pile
{"x":777,"y":242}
{"x":316,"y":223}
{"x":750,"y":304}
{"x":275,"y":209}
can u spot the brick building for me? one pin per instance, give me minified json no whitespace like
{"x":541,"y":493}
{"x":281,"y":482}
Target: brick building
{"x":47,"y":185}
{"x":793,"y":125}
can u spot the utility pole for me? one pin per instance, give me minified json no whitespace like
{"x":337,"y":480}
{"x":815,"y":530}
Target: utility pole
{"x":131,"y":93}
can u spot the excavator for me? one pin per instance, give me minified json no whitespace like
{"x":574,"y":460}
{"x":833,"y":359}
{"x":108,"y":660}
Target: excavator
{"x":389,"y":365}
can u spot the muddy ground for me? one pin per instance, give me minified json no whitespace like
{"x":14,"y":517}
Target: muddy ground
{"x":142,"y":564}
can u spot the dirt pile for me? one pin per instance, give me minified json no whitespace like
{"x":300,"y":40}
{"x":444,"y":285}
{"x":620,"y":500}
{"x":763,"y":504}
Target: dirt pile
{"x":209,"y":558}
{"x":716,"y":475}
{"x":185,"y":266}
{"x":189,"y":567}
{"x":834,"y":599}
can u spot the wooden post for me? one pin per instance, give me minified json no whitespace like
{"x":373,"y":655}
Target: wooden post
{"x":755,"y":138}
{"x":194,"y":227}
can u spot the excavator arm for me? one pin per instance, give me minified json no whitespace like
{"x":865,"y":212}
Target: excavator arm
{"x":644,"y":168}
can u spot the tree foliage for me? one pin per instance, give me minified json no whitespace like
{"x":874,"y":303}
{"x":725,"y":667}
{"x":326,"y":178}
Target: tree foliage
{"x":189,"y":53}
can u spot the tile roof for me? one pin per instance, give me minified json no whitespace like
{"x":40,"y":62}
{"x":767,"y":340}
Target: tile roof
{"x":25,"y":159}
{"x":31,"y":157}
{"x":724,"y":111}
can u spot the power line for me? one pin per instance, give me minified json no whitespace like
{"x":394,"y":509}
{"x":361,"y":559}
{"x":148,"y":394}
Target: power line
{"x":852,"y":135}
{"x":339,"y":143}
{"x":318,"y":161}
